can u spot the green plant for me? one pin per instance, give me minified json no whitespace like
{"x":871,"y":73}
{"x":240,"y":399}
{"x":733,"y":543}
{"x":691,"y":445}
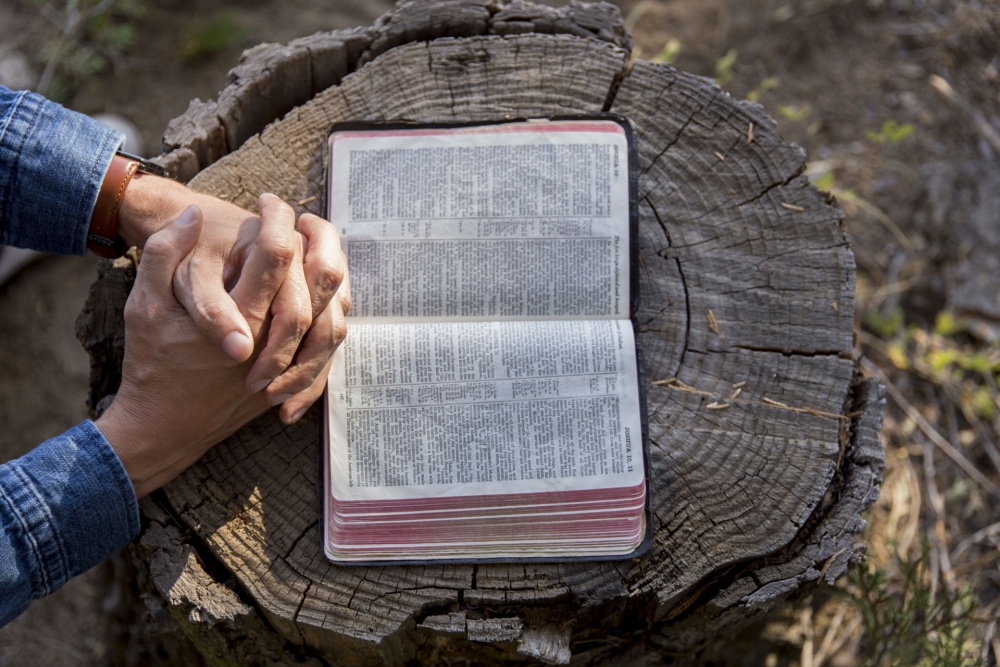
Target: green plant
{"x":204,"y":39}
{"x":91,"y":34}
{"x":906,"y":623}
{"x":669,"y":52}
{"x":724,"y":67}
{"x":825,"y":182}
{"x":794,"y":111}
{"x":885,"y":325}
{"x":892,"y":132}
{"x":770,"y":83}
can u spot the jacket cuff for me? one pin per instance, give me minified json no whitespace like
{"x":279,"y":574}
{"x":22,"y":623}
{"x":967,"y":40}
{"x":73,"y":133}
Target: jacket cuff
{"x":52,"y":162}
{"x":74,"y":504}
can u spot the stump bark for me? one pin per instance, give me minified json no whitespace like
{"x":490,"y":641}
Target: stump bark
{"x":747,"y":282}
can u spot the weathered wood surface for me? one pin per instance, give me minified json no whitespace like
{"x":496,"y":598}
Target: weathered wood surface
{"x":747,"y":283}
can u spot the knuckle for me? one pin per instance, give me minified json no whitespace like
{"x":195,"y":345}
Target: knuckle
{"x":302,"y":322}
{"x":158,"y":246}
{"x":338,"y":332}
{"x":280,"y":248}
{"x":283,"y":360}
{"x":209,"y":311}
{"x":329,"y":277}
{"x":346,"y":301}
{"x":299,"y":318}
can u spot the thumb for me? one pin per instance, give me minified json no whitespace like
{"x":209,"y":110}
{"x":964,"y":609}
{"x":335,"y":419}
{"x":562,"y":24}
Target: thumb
{"x":165,"y":249}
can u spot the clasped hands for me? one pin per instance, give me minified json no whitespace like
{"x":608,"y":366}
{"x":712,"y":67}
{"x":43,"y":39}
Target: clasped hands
{"x":230,"y":313}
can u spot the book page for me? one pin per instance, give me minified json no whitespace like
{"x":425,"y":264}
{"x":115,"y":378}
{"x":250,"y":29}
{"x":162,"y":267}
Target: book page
{"x":420,"y":410}
{"x":499,"y":222}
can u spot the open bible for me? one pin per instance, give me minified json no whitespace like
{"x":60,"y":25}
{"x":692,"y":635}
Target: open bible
{"x":487,"y":403}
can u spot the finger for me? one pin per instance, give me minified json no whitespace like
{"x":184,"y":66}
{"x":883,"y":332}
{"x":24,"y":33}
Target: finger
{"x":198,"y":284}
{"x":344,"y":292}
{"x":292,"y":410}
{"x":291,"y":317}
{"x":325,"y":264}
{"x":267,"y":265}
{"x":165,"y":249}
{"x":327,"y":333}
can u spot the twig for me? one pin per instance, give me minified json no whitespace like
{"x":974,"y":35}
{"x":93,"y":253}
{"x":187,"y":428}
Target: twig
{"x":991,"y":384}
{"x":830,"y":635}
{"x":937,"y":506}
{"x":73,"y":23}
{"x":806,"y":659}
{"x":853,"y":631}
{"x":972,"y":114}
{"x":878,"y":214}
{"x":675,"y":383}
{"x":633,"y":16}
{"x":925,"y":372}
{"x":989,"y":531}
{"x":978,"y":564}
{"x":892,"y":288}
{"x":54,"y":16}
{"x":986,"y":643}
{"x":713,"y":324}
{"x":930,"y":431}
{"x":848,"y":161}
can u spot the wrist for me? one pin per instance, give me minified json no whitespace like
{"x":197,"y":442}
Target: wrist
{"x":131,"y":445}
{"x":150,"y":203}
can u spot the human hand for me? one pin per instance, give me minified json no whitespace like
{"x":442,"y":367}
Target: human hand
{"x":307,"y":311}
{"x":180,"y":394}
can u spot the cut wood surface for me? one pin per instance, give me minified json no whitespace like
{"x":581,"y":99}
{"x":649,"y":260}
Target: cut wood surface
{"x":764,"y":438}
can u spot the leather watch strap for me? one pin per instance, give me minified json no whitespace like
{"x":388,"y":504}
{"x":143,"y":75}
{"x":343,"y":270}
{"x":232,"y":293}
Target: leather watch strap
{"x":103,"y":238}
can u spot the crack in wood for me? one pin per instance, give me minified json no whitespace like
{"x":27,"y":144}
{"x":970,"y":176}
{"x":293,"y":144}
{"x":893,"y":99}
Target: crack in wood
{"x":841,"y":354}
{"x":617,"y":81}
{"x":684,"y":285}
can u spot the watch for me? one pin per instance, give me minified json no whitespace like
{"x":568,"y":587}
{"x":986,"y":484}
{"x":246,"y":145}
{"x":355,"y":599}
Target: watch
{"x":102,"y":237}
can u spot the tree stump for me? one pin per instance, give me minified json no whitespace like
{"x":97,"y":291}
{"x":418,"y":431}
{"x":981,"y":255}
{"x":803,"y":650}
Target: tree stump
{"x":747,"y":281}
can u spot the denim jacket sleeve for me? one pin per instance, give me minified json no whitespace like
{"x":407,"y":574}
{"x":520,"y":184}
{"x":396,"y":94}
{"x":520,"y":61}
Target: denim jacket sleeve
{"x":67,"y":504}
{"x":52,"y":162}
{"x":64,"y":507}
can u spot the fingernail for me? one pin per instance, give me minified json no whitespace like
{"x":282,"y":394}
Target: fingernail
{"x":298,"y":414}
{"x":278,"y":399}
{"x":258,"y":385}
{"x":237,"y":346}
{"x":188,"y":216}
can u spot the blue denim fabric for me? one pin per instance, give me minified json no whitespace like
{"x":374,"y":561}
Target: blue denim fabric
{"x":68,"y":504}
{"x":52,"y":162}
{"x":64,"y":507}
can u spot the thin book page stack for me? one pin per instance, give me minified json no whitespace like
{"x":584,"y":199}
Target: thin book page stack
{"x":487,"y":402}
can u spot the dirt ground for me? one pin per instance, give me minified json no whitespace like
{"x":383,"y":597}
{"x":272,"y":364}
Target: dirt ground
{"x":850,"y":80}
